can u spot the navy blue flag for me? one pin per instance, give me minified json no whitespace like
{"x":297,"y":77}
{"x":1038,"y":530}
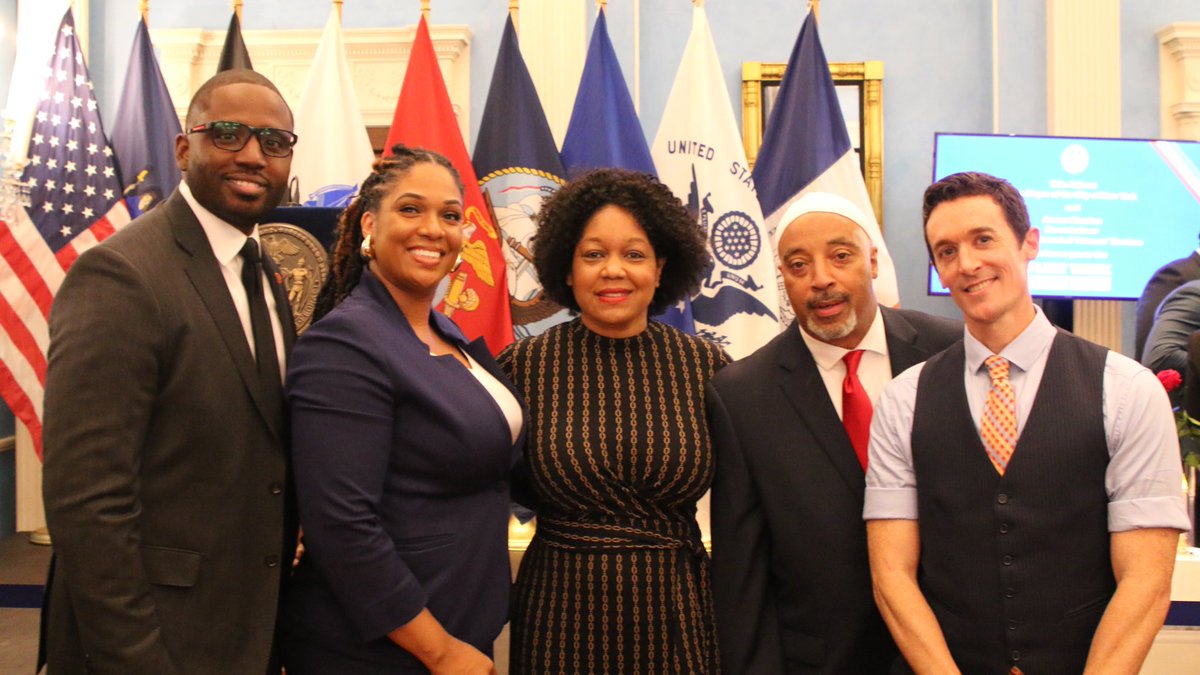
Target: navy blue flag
{"x":233,"y":52}
{"x":144,"y":135}
{"x":604,"y":132}
{"x":519,"y":168}
{"x":806,"y":148}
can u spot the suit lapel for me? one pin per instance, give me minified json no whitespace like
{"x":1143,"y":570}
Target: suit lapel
{"x":479,"y":351}
{"x":204,"y":272}
{"x":801,"y":383}
{"x":282,"y":305}
{"x":902,"y":337}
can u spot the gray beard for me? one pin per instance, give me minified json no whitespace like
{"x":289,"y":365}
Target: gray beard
{"x":830,"y":333}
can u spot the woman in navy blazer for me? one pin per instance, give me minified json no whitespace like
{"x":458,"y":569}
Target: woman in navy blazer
{"x":404,"y":438}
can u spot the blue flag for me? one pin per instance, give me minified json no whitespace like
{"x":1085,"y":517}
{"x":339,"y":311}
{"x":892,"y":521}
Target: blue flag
{"x":806,"y":149}
{"x":144,"y":135}
{"x":604,"y":132}
{"x":519,"y":168}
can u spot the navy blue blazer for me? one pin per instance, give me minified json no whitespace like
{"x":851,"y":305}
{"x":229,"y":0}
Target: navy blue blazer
{"x":403,"y":464}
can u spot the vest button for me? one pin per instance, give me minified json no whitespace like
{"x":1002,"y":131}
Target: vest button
{"x":1003,"y":528}
{"x":1016,"y":656}
{"x":1010,"y":592}
{"x":275,"y":488}
{"x":1006,"y":560}
{"x":271,"y":561}
{"x":1002,"y":499}
{"x":1012,"y":625}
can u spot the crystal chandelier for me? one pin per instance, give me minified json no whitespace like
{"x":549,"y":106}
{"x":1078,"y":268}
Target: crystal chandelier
{"x":14,"y":192}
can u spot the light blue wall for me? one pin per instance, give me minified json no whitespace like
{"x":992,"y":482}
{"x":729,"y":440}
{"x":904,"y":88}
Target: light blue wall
{"x":937,"y":58}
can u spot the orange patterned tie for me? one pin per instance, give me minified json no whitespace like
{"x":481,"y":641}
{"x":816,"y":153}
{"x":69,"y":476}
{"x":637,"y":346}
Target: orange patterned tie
{"x":999,"y":426}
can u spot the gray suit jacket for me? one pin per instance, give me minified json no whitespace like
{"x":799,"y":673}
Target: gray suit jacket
{"x":791,"y":582}
{"x":166,"y":472}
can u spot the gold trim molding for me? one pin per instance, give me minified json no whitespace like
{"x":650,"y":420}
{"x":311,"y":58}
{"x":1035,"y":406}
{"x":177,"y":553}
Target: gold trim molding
{"x":867,"y":75}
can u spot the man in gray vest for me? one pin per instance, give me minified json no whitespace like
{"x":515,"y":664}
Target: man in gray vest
{"x":1023,"y":497}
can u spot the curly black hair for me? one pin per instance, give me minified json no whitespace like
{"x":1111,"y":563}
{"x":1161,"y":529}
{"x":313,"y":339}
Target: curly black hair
{"x":672,"y":231}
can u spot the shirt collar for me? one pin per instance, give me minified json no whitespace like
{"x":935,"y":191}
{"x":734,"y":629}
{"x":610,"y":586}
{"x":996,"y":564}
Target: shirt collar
{"x":827,"y":356}
{"x":1022,"y":352}
{"x":225,"y":239}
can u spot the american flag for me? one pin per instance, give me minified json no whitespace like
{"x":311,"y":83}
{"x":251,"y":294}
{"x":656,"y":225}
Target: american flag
{"x":75,"y":203}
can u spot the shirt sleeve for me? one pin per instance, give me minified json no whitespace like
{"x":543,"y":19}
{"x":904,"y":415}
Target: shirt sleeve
{"x":1144,"y":478}
{"x":891,"y":492}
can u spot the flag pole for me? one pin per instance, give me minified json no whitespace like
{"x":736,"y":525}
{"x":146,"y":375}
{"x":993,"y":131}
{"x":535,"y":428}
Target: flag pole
{"x":514,"y":12}
{"x":815,"y":7}
{"x":337,"y":4}
{"x":237,"y":9}
{"x":144,"y":8}
{"x":425,"y":10}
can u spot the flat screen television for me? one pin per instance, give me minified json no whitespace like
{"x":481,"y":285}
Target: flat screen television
{"x":1111,"y":211}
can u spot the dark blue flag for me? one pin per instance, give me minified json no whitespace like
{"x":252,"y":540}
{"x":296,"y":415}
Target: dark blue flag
{"x":604,"y":132}
{"x":233,"y":53}
{"x":144,"y":135}
{"x":806,"y":149}
{"x":518,"y":167}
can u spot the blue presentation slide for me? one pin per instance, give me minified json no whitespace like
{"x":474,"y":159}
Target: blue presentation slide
{"x":1110,"y":211}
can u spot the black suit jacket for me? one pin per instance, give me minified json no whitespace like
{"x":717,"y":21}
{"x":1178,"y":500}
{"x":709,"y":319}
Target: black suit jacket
{"x":791,"y":580}
{"x":1169,"y":277}
{"x":166,"y":471}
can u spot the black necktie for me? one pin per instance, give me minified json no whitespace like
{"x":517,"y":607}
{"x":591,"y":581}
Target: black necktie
{"x":260,"y":317}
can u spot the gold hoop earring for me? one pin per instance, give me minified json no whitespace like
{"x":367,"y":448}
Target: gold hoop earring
{"x":366,"y":250}
{"x":457,"y":262}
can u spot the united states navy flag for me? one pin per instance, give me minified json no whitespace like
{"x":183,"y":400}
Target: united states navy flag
{"x":806,"y":149}
{"x":518,"y":167}
{"x":144,"y":135}
{"x":604,"y":132}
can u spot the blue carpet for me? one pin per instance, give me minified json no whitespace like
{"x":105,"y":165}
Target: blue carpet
{"x":23,"y":596}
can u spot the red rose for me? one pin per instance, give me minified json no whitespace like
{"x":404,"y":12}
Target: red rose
{"x":1170,"y":379}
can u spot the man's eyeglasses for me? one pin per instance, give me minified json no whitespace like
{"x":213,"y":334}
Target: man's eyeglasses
{"x":233,"y":136}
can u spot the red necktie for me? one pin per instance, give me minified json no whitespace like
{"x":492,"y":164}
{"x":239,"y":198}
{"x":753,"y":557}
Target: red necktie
{"x":856,"y":407}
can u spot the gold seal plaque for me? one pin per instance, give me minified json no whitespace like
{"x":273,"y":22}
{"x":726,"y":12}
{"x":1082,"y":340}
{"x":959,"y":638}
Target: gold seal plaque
{"x":302,"y":263}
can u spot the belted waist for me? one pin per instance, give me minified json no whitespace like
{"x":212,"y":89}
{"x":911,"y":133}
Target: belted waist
{"x":619,"y":534}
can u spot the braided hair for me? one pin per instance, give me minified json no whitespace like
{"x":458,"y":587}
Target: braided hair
{"x":348,"y":264}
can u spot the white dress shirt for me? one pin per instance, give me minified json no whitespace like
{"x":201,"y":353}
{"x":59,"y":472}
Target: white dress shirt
{"x":226,"y":242}
{"x":874,"y":370}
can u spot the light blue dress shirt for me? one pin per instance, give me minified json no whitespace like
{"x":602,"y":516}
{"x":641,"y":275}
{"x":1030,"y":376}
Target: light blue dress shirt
{"x":1144,"y":476}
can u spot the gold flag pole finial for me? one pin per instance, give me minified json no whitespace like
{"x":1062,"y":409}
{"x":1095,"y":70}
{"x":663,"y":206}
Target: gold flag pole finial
{"x":144,"y":9}
{"x":697,"y":3}
{"x":425,"y":9}
{"x":337,"y":4}
{"x":602,"y":4}
{"x":514,"y":11}
{"x":815,"y":6}
{"x":237,"y":9}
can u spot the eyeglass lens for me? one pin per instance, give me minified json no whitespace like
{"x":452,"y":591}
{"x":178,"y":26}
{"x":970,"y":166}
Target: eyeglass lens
{"x":233,"y":136}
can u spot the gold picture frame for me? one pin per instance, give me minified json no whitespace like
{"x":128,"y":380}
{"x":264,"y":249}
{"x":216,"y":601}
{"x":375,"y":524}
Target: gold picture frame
{"x":859,"y":82}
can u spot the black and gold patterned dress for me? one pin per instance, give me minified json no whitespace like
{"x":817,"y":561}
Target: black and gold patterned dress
{"x":616,"y":579}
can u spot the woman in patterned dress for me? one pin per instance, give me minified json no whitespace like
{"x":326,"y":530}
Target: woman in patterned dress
{"x":616,"y":579}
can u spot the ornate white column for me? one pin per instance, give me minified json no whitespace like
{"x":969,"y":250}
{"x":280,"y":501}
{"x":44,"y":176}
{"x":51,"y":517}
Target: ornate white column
{"x":554,"y":43}
{"x":1083,"y":76}
{"x":1179,"y":80}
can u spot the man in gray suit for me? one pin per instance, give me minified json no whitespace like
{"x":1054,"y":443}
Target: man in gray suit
{"x":166,"y":470}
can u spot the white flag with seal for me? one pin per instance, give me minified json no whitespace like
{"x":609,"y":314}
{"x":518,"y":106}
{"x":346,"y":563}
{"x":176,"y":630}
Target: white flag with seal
{"x":334,"y":153}
{"x":698,"y":153}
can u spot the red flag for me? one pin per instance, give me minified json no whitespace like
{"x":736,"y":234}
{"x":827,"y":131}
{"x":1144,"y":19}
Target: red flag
{"x":477,"y":298}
